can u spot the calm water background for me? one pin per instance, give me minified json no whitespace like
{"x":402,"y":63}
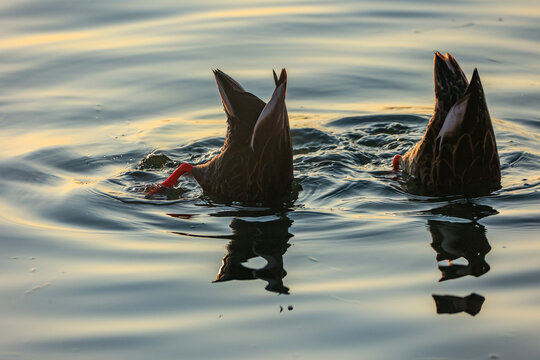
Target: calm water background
{"x":90,"y":269}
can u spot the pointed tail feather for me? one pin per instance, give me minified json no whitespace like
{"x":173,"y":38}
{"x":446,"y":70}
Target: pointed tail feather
{"x":450,"y":81}
{"x":228,"y":90}
{"x":282,"y":77}
{"x":273,"y":118}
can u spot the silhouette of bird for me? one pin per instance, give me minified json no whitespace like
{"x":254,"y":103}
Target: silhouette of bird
{"x":255,"y":162}
{"x":458,"y":153}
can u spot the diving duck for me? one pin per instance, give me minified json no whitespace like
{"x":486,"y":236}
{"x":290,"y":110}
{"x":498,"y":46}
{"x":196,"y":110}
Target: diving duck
{"x":255,"y":163}
{"x":458,"y":153}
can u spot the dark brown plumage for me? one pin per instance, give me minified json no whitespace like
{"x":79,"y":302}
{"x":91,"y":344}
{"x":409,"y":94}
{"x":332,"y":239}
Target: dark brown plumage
{"x":255,"y":162}
{"x":458,"y":153}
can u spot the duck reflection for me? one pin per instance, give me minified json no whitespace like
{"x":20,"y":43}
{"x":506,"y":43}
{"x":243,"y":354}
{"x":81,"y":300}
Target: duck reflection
{"x":448,"y":304}
{"x":251,"y":239}
{"x":466,"y":211}
{"x":452,"y":241}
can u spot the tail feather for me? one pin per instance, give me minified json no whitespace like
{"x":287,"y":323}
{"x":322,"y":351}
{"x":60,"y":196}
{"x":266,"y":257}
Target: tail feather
{"x":242,"y":108}
{"x":273,"y":119}
{"x":282,"y":77}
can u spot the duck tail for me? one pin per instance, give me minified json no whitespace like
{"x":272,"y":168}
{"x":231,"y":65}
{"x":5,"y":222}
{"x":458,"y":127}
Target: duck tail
{"x":273,"y":118}
{"x":282,"y":77}
{"x":449,"y":80}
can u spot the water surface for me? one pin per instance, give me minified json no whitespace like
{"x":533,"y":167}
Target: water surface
{"x":354,"y":268}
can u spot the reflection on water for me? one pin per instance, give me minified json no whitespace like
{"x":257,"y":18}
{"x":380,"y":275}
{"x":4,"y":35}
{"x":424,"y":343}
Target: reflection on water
{"x":267,"y":239}
{"x":452,"y":240}
{"x":448,"y":304}
{"x":251,"y":239}
{"x":467,"y":211}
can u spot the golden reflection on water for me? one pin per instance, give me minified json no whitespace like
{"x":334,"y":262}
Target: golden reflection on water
{"x":118,"y":36}
{"x":111,"y":326}
{"x":357,"y":284}
{"x":156,"y":131}
{"x":137,"y":34}
{"x":43,"y":39}
{"x":140,"y":268}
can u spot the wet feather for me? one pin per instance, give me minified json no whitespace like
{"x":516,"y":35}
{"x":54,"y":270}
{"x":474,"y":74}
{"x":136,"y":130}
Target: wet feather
{"x":458,"y":153}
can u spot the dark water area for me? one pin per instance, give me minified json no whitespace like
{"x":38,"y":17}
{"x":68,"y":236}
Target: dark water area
{"x":99,"y":99}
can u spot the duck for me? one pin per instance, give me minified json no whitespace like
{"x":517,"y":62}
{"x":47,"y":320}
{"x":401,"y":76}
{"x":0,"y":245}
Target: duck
{"x":458,"y":152}
{"x":255,"y":164}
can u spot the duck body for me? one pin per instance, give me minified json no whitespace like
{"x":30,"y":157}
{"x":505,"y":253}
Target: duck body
{"x":458,"y":153}
{"x":255,"y":162}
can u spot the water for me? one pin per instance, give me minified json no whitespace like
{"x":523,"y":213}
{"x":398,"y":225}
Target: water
{"x":91,"y":269}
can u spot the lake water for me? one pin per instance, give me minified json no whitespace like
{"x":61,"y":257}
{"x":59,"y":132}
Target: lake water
{"x":355,"y":268}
